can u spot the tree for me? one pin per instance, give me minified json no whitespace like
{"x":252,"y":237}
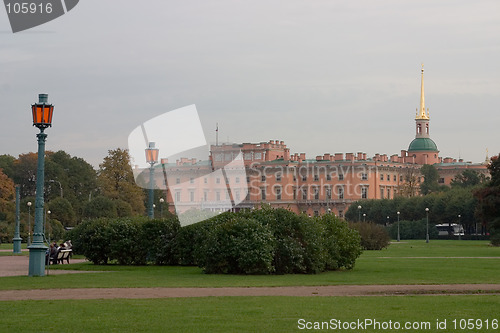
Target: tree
{"x":468,"y":178}
{"x":488,"y":209}
{"x":77,"y":178}
{"x":431,"y":177}
{"x":62,"y":210}
{"x":7,"y":165}
{"x":25,"y":173}
{"x":100,"y":206}
{"x":116,"y":180}
{"x":410,"y":186}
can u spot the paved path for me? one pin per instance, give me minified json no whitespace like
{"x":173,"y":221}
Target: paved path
{"x":354,"y":290}
{"x":18,"y":265}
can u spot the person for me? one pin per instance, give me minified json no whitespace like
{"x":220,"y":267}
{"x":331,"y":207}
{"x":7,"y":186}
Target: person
{"x":51,"y":253}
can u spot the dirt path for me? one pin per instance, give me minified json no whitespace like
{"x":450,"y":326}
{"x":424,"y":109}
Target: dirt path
{"x":354,"y":290}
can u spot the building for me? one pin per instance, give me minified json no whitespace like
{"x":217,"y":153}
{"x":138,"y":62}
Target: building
{"x":248,"y":175}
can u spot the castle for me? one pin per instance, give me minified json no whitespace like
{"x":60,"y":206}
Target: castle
{"x":247,"y":175}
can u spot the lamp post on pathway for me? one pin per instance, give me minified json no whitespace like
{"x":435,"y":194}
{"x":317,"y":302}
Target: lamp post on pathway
{"x":398,"y":226}
{"x":359,"y":213}
{"x":42,"y":118}
{"x":364,"y":217}
{"x":427,"y":232}
{"x":29,"y":223}
{"x":17,"y":238}
{"x":459,"y":228}
{"x":152,"y":159}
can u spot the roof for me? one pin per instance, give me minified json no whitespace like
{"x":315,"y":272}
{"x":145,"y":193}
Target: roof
{"x":420,"y":144}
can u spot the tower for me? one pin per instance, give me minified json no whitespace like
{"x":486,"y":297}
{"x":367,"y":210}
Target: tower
{"x":423,"y":149}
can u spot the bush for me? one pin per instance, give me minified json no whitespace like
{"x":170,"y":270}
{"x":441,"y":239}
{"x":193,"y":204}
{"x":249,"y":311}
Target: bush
{"x":253,"y":242}
{"x":342,"y":244}
{"x":238,"y":246}
{"x":412,"y":230}
{"x":129,"y":241}
{"x":373,"y":236}
{"x":90,"y":238}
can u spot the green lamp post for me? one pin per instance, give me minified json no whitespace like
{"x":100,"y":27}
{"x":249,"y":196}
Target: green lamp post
{"x":42,"y":118}
{"x":17,"y":239}
{"x":152,"y":159}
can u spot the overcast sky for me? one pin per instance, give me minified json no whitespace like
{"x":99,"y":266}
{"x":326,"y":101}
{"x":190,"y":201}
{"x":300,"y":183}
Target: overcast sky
{"x":323,"y":76}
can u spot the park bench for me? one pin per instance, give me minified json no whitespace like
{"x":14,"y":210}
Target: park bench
{"x":61,"y":256}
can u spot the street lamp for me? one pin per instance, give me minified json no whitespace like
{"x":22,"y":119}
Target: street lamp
{"x":398,"y":225}
{"x":17,"y":238}
{"x":29,"y":223}
{"x":152,"y":159}
{"x":42,"y":118}
{"x":427,"y":234}
{"x":364,"y":217}
{"x":387,"y":221}
{"x":359,"y":213}
{"x":459,"y":228}
{"x":161,"y":207}
{"x":60,"y":185}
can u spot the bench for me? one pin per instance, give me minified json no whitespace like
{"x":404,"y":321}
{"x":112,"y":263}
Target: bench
{"x":61,"y":256}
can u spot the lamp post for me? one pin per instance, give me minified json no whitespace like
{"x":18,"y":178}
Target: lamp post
{"x":387,"y":223}
{"x":42,"y":118}
{"x":161,"y":207}
{"x":364,"y":217}
{"x":29,"y":223}
{"x":152,"y":159}
{"x":459,"y":228}
{"x":398,"y":226}
{"x":359,"y":213}
{"x":427,"y":233}
{"x":17,"y":238}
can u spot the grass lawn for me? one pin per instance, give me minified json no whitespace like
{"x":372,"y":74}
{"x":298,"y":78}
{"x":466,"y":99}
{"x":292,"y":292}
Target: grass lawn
{"x":390,"y":266}
{"x":245,"y":314}
{"x":395,"y":265}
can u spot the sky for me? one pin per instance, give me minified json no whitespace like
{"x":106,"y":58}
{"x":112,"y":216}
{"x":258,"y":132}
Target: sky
{"x":322,"y":76}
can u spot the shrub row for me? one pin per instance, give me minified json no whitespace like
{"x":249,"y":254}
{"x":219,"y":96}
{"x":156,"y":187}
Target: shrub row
{"x":264,"y":241}
{"x":373,"y":236}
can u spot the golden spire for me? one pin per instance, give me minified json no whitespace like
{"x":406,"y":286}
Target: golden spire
{"x":421,"y":114}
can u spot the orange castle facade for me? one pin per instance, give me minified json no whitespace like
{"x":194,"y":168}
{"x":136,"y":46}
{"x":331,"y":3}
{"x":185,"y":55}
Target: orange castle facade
{"x":329,"y":183}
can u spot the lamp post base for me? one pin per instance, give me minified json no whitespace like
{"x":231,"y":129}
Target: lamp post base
{"x":37,"y":260}
{"x":17,"y":245}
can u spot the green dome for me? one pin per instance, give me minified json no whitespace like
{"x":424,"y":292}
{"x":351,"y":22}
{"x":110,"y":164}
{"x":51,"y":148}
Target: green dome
{"x":420,"y":144}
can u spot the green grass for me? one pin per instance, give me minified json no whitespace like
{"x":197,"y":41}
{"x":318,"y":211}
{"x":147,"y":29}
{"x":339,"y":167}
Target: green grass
{"x":373,"y":267}
{"x":240,"y":314}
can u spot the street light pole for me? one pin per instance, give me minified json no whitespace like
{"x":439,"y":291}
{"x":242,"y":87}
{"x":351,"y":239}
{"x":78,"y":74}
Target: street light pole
{"x":398,"y":226}
{"x":42,"y":118}
{"x":459,"y":228}
{"x":17,"y":238}
{"x":359,"y":213}
{"x":152,"y":159}
{"x":29,"y":223}
{"x":427,"y":234}
{"x":364,"y":217}
{"x":60,"y":185}
{"x":161,"y":207}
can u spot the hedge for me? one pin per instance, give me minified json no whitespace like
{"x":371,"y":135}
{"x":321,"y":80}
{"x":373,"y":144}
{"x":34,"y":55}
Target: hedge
{"x":264,"y":241}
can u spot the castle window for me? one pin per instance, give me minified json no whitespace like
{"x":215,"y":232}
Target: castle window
{"x":388,"y":177}
{"x":395,"y":178}
{"x":316,"y":178}
{"x":364,"y":176}
{"x":278,"y":177}
{"x":381,"y":176}
{"x":364,"y":192}
{"x":441,"y":181}
{"x":341,"y":176}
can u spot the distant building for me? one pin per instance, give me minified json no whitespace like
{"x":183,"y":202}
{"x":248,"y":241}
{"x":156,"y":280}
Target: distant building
{"x":326,"y":183}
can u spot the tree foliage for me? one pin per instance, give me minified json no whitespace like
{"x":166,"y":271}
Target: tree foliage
{"x":488,"y":209}
{"x":431,"y":177}
{"x":116,"y":180}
